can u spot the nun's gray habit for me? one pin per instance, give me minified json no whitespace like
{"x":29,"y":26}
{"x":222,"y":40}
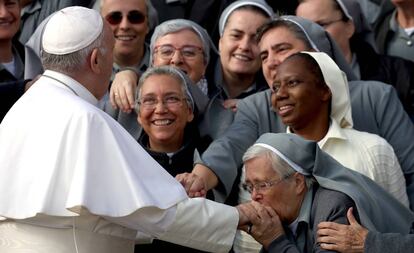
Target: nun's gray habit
{"x":378,"y":210}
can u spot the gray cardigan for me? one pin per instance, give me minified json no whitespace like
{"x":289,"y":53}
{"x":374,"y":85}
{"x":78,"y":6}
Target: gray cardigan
{"x":389,"y":243}
{"x":325,"y":205}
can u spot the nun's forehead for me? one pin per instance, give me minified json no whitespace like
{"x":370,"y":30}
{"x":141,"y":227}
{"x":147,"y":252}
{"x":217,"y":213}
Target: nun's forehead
{"x":302,"y":61}
{"x":260,"y":6}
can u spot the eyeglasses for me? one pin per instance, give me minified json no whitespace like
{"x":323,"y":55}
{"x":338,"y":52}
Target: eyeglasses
{"x":261,"y":186}
{"x":171,"y":101}
{"x":134,"y":17}
{"x":328,"y":23}
{"x":166,"y":52}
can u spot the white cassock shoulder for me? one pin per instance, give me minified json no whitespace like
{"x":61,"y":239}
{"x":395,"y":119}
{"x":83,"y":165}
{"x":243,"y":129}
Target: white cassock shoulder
{"x":60,"y":155}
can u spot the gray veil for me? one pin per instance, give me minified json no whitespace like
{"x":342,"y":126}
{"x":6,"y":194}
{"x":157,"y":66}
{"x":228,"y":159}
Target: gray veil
{"x":322,"y":41}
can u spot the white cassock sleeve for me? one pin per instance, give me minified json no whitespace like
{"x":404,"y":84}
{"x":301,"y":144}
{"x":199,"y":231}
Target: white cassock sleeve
{"x":197,"y":223}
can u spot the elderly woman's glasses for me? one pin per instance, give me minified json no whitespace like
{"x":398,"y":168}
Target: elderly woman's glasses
{"x":261,"y":186}
{"x":166,"y":52}
{"x":149,"y":103}
{"x":134,"y":17}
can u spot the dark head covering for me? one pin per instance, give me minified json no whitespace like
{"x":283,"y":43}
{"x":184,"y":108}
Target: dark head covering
{"x":378,"y":210}
{"x":261,"y":4}
{"x":176,"y":25}
{"x":322,"y":41}
{"x":152,"y":15}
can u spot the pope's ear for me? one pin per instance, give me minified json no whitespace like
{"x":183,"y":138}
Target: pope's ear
{"x":94,"y":60}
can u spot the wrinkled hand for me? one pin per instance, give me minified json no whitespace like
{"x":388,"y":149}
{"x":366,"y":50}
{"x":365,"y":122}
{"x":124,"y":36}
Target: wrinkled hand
{"x":248,"y":215}
{"x":122,"y":93}
{"x":194,"y":184}
{"x":230,"y":104}
{"x":265,"y":223}
{"x":342,"y":238}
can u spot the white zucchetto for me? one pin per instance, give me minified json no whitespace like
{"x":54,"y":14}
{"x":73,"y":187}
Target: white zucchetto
{"x":71,"y":29}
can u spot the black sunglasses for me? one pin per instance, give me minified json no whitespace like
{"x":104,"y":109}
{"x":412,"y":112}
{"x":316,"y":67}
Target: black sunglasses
{"x":134,"y":17}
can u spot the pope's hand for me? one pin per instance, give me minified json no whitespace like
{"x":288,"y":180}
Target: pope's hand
{"x":193,"y":184}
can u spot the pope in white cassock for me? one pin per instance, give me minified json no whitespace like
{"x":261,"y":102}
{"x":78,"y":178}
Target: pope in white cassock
{"x":72,"y":179}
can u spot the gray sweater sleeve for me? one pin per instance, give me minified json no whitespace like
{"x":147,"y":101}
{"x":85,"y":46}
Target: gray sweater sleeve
{"x":224,"y":155}
{"x":281,"y":244}
{"x":254,"y":117}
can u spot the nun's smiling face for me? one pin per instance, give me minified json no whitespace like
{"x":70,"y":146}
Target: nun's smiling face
{"x":239,"y":53}
{"x":164,"y":112}
{"x":275,"y":46}
{"x":182,"y":49}
{"x":299,"y":95}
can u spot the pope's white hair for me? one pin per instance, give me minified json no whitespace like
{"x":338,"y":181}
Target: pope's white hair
{"x":75,"y":61}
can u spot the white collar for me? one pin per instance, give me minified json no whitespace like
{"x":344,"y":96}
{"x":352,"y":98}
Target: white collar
{"x":334,"y":131}
{"x":73,"y":85}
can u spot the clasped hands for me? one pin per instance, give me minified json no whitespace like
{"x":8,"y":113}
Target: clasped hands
{"x":260,"y":221}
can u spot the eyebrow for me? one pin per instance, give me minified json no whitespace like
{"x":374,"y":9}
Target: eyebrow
{"x":251,"y":34}
{"x":236,"y":30}
{"x":185,"y":45}
{"x":152,"y":94}
{"x":274,"y":47}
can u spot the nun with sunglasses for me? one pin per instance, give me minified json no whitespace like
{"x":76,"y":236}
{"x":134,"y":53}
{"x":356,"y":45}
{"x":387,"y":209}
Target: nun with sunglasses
{"x":73,"y":180}
{"x":130,"y":51}
{"x":130,"y":21}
